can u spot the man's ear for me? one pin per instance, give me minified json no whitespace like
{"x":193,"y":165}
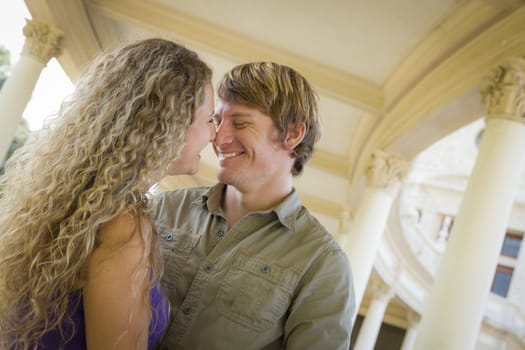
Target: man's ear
{"x":294,"y":136}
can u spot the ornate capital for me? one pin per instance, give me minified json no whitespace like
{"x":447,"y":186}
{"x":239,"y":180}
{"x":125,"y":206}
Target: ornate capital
{"x":503,"y":90}
{"x":347,"y":215}
{"x":385,"y":170}
{"x":380,"y":290}
{"x":412,"y":318}
{"x":42,"y":40}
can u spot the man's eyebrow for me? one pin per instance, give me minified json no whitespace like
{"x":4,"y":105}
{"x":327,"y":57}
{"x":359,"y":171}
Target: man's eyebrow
{"x":240,"y":114}
{"x":217,"y":114}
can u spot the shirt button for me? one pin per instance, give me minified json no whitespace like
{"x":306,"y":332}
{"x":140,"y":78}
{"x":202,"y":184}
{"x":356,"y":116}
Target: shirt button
{"x":208,"y":267}
{"x":169,"y":237}
{"x":186,"y":310}
{"x":265,"y":269}
{"x":220,"y":233}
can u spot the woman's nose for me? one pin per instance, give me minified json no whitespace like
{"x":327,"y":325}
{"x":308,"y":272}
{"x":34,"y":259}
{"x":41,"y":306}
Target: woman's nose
{"x":213,"y":132}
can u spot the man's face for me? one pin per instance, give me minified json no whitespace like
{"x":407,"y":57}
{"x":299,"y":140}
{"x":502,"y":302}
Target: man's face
{"x":251,"y":157}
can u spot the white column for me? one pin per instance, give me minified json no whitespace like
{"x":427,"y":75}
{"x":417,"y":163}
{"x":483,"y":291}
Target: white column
{"x":361,"y":242}
{"x":454,"y":306}
{"x":371,"y":326}
{"x":411,"y":332}
{"x":41,"y":43}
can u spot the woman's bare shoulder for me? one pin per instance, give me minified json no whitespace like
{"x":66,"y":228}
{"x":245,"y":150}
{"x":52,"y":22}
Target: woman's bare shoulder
{"x":122,"y":230}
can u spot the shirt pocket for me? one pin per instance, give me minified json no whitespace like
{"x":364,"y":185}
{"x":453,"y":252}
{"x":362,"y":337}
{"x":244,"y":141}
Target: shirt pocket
{"x":176,"y":247}
{"x":255,"y":293}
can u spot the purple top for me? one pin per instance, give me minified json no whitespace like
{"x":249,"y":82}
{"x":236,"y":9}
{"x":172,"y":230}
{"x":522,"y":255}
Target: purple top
{"x":53,"y":340}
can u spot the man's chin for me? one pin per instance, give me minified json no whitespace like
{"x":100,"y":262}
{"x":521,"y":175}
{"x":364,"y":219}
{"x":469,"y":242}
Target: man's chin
{"x":223,"y":176}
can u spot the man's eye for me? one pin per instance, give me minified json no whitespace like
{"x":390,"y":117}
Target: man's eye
{"x":239,"y":125}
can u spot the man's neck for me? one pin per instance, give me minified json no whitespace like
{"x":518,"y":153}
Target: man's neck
{"x":236,"y":204}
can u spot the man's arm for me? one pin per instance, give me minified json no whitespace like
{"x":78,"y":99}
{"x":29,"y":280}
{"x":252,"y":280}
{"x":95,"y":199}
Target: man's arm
{"x":322,"y":312}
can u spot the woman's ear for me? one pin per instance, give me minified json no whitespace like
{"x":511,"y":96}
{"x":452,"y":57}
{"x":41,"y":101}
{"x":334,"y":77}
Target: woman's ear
{"x":294,"y":136}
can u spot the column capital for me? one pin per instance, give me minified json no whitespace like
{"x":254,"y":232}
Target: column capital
{"x":42,"y":41}
{"x":386,"y":170}
{"x":346,"y":217}
{"x":413,"y":318}
{"x":503,"y":90}
{"x":380,"y":290}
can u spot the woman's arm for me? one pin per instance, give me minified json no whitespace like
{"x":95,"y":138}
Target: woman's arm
{"x":115,"y":311}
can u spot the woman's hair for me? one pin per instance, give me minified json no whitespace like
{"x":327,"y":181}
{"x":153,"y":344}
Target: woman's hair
{"x":281,"y":93}
{"x":125,"y":121}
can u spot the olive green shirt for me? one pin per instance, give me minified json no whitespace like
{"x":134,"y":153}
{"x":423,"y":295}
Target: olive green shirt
{"x":275,"y":280}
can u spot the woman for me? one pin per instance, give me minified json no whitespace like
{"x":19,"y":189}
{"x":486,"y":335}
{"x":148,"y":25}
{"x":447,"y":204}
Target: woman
{"x":79,"y":260}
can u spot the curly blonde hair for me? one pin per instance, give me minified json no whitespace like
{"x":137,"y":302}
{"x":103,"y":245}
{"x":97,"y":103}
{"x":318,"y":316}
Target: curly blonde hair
{"x":125,"y":121}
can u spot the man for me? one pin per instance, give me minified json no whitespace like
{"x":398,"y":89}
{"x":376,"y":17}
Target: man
{"x":248,"y":267}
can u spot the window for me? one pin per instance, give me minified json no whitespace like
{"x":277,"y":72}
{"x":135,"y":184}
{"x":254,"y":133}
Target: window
{"x":445,"y":228}
{"x":511,"y":245}
{"x":509,"y":254}
{"x":501,"y":282}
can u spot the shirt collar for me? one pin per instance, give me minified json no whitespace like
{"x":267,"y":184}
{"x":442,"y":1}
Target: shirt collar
{"x":211,"y":199}
{"x":286,"y":211}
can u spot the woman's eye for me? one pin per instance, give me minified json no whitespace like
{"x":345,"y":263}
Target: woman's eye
{"x":239,"y":125}
{"x":215,"y":121}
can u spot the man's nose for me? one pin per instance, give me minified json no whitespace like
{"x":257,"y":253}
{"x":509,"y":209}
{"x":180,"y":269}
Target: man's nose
{"x":223,"y":134}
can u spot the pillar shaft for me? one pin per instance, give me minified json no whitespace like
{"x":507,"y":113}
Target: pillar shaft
{"x":372,"y":322}
{"x":42,"y":43}
{"x":365,"y":235}
{"x":362,"y":241}
{"x":455,"y":304}
{"x":14,"y":96}
{"x":410,"y":338}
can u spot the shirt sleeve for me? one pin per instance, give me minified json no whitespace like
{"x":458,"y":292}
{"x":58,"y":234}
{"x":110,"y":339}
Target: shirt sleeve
{"x":322,"y":312}
{"x":160,"y":209}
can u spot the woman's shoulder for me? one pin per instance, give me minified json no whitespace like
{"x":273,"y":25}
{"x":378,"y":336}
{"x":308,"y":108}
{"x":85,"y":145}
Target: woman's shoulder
{"x":124,"y":229}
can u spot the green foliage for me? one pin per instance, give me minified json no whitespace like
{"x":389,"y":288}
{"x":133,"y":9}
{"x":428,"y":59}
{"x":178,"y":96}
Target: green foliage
{"x":5,"y":62}
{"x":22,"y":133}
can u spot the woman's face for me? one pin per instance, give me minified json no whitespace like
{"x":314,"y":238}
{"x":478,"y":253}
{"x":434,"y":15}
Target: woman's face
{"x":198,"y":135}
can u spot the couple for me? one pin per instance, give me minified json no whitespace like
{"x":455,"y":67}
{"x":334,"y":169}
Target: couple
{"x":88,"y":261}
